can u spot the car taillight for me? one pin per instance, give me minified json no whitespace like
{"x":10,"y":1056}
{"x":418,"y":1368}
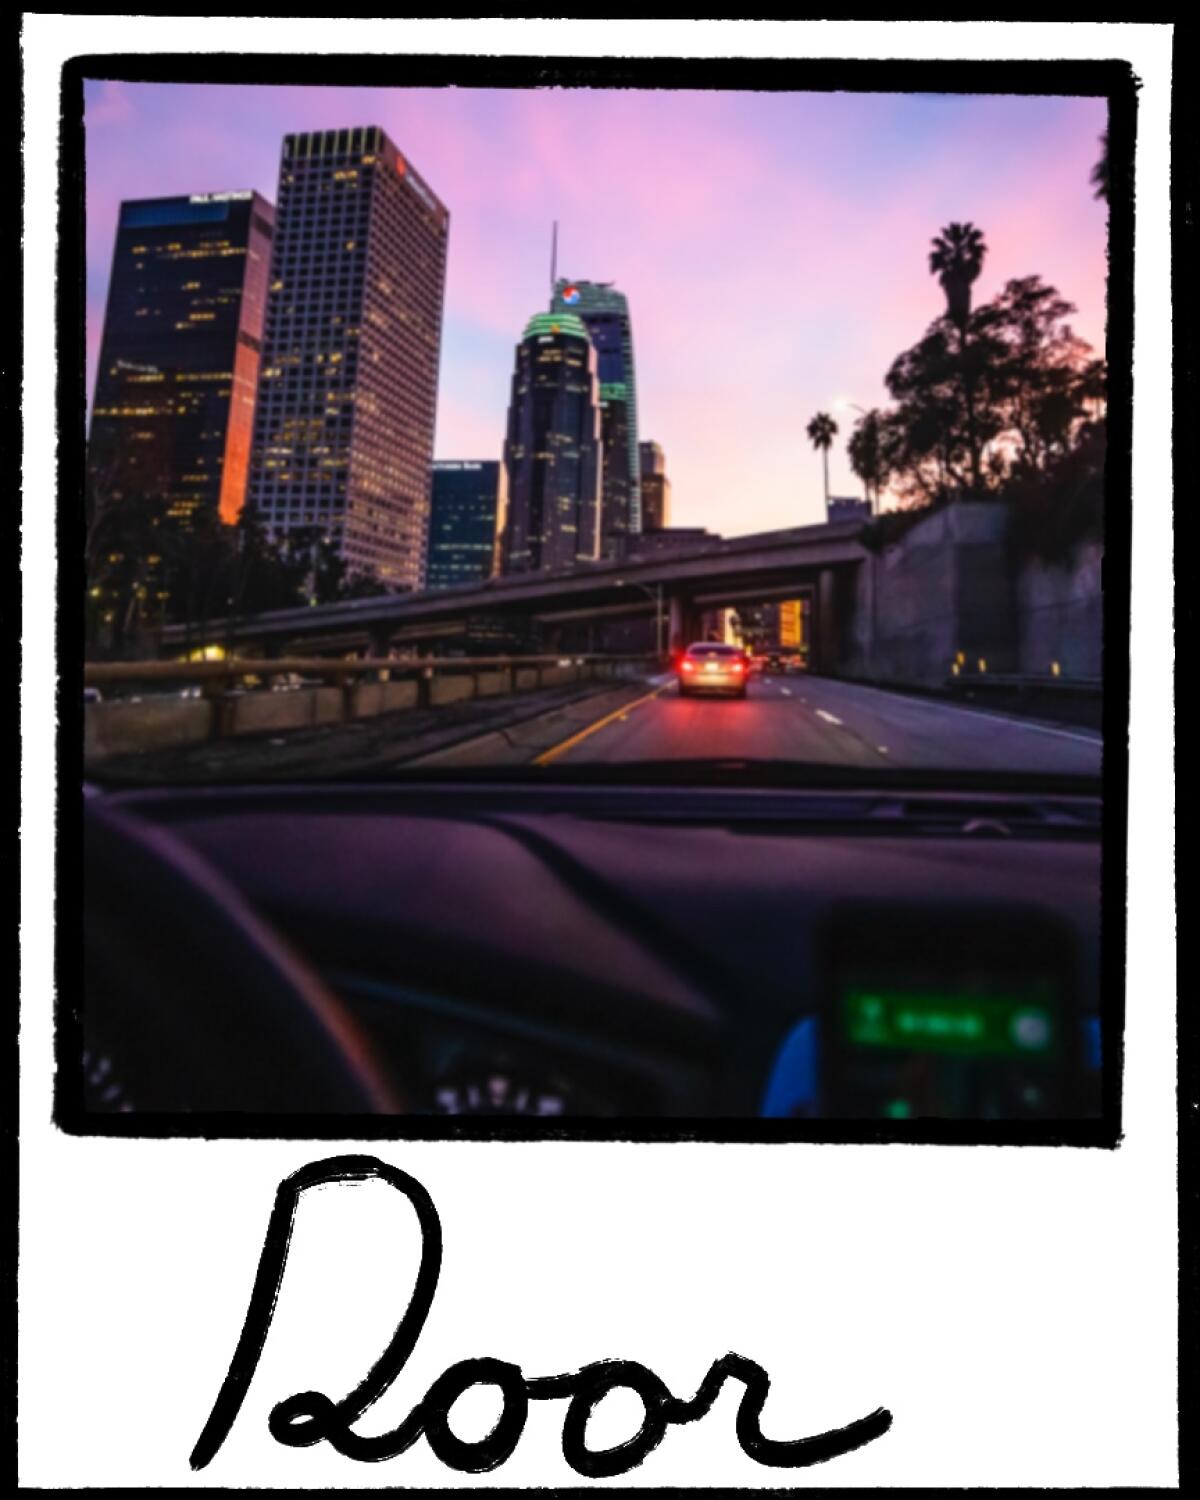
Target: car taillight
{"x":688,"y":666}
{"x":739,"y":666}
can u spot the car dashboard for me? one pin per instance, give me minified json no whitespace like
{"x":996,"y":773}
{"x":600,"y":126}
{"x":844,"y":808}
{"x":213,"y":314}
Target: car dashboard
{"x":622,"y":953}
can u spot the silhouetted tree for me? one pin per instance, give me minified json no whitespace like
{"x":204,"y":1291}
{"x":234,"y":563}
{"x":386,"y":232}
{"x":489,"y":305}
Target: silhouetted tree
{"x":1100,"y":170}
{"x":957,"y":259}
{"x":1040,"y":381}
{"x":821,"y":432}
{"x":1013,"y":396}
{"x":866,"y":456}
{"x":125,"y":569}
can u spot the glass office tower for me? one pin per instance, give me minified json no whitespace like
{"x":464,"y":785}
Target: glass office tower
{"x":552,"y":451}
{"x":173,"y":409}
{"x":605,"y":312}
{"x":344,"y":431}
{"x":615,"y":494}
{"x":656,"y":488}
{"x":462,"y":522}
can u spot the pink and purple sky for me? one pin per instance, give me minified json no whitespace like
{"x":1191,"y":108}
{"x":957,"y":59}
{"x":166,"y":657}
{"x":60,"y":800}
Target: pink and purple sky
{"x":773,"y":246}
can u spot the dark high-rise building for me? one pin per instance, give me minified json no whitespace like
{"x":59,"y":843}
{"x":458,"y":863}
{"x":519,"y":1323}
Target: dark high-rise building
{"x":552,"y":452}
{"x":656,"y":488}
{"x":173,"y":408}
{"x":343,"y":437}
{"x":615,"y":489}
{"x":605,"y":312}
{"x":462,"y":522}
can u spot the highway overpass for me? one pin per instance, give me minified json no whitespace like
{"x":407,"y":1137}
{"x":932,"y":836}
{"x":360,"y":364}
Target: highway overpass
{"x":817,"y":560}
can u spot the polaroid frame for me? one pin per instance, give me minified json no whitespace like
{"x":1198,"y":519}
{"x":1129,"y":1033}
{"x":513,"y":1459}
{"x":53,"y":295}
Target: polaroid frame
{"x":1112,"y":80}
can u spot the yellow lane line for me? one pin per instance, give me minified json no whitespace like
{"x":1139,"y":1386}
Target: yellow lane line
{"x":555,"y":751}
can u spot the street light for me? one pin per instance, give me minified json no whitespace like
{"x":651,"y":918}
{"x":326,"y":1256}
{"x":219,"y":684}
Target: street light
{"x":655,"y":593}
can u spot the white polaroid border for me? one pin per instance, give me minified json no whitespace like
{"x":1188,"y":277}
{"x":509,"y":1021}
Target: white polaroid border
{"x":1015,"y":1309}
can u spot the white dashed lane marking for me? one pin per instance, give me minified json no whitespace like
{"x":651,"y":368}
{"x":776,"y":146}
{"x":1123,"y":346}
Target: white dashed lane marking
{"x":829,"y":718}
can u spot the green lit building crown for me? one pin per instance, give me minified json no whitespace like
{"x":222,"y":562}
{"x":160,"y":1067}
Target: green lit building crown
{"x":551,"y":323}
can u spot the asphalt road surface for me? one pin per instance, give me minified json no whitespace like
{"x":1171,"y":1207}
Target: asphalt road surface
{"x":802,"y":718}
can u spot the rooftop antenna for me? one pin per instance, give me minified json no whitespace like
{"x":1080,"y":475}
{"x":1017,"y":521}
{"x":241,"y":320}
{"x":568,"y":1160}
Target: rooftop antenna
{"x":553,"y":262}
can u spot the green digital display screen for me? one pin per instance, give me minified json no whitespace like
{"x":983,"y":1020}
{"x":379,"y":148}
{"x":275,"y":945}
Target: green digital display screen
{"x":968,"y":1025}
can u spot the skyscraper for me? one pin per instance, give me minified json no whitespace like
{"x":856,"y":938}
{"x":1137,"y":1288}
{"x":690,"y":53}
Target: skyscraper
{"x":656,"y":487}
{"x":615,"y":489}
{"x":175,"y":391}
{"x":343,"y":437}
{"x":552,"y":452}
{"x":462,"y":522}
{"x":605,"y":312}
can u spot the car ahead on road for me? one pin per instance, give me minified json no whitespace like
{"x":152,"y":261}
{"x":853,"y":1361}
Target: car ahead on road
{"x":712,"y":667}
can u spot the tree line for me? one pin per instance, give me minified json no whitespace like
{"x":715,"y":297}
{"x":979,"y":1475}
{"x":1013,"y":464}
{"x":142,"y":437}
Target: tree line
{"x":145,"y":569}
{"x":997,"y":401}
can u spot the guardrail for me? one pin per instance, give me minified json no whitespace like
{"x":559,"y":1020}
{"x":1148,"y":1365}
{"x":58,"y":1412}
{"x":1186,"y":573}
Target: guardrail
{"x":265,"y":695}
{"x":1066,"y":700}
{"x":1023,"y":682}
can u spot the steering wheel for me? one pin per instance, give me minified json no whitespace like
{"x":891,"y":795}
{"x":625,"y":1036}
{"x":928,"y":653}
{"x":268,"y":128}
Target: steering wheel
{"x":192,"y":1003}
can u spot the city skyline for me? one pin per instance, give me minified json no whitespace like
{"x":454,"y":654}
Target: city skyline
{"x":780,"y":261}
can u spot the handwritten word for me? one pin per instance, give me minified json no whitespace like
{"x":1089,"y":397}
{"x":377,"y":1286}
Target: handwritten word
{"x":309,"y":1418}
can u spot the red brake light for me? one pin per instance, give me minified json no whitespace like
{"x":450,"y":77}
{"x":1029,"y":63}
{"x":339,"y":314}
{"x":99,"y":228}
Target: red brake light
{"x":688,"y":666}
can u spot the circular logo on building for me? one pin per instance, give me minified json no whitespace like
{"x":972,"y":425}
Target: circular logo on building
{"x":570,"y":295}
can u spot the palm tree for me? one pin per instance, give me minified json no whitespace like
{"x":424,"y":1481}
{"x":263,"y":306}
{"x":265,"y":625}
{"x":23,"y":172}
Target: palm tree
{"x":865,"y":450}
{"x":1100,"y":170}
{"x":956,"y":259}
{"x":821,"y":432}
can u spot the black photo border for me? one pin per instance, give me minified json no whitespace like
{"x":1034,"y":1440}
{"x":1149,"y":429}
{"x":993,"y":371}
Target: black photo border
{"x":1110,"y":79}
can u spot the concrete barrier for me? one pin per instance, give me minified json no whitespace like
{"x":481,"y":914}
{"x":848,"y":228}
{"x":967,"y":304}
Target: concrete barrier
{"x":367,"y":700}
{"x":397,"y":695}
{"x":452,"y":689}
{"x":489,"y":684}
{"x":122,"y":726}
{"x":327,"y":705}
{"x":267,"y":713}
{"x":125,"y":728}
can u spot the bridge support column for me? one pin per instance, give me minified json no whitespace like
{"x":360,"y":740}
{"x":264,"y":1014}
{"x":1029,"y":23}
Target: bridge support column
{"x":823,"y":652}
{"x":683,"y":624}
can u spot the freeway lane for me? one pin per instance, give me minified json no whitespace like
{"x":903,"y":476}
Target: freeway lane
{"x":818,"y":720}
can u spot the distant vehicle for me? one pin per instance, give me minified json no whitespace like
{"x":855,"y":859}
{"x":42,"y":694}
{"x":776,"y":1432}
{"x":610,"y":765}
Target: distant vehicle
{"x":711,"y":667}
{"x":92,"y":695}
{"x":773,"y":662}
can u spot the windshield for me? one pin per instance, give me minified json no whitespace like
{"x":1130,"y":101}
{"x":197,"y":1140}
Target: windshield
{"x":805,"y":473}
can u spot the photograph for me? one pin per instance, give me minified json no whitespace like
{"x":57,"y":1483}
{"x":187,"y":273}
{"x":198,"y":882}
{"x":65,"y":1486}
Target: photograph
{"x":598,"y":726}
{"x":591,"y":600}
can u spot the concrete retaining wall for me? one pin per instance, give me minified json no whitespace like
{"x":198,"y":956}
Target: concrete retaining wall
{"x":1060,"y":614}
{"x":942,"y":589}
{"x":948,"y":591}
